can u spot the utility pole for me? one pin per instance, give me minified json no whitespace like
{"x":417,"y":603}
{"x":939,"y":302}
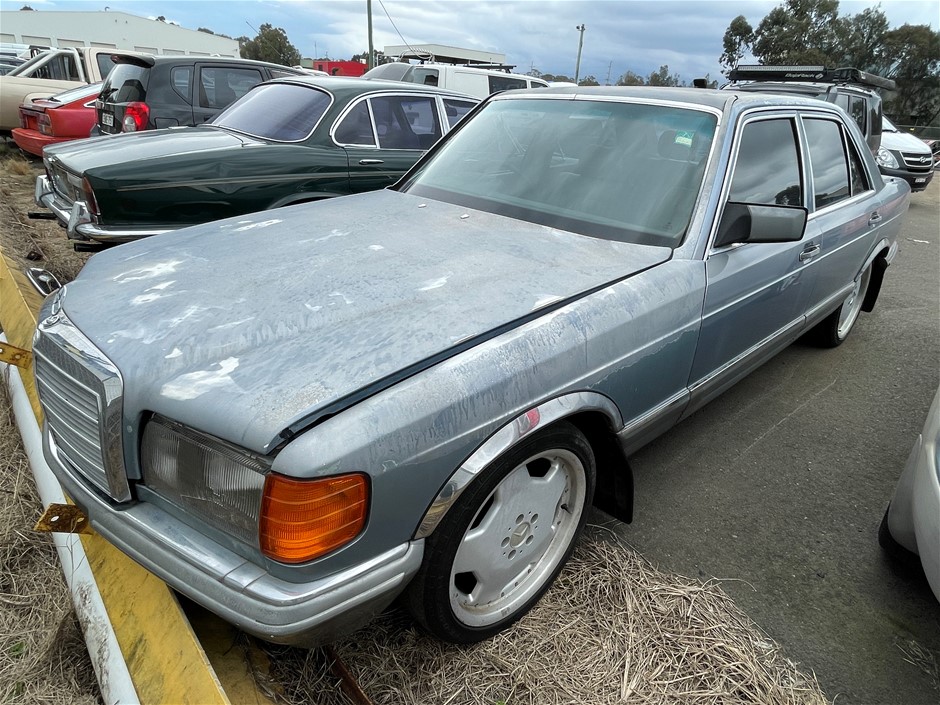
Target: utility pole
{"x":371,"y":62}
{"x":577,"y":66}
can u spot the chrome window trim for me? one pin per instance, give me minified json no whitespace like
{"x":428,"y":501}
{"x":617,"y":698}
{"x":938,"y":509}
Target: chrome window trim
{"x":270,"y":139}
{"x":755,"y":115}
{"x":435,"y":99}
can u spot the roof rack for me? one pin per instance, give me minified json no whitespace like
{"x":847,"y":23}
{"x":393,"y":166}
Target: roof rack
{"x":809,"y":73}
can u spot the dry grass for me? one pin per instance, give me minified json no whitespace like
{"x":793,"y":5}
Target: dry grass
{"x":613,"y":629}
{"x":42,"y":653}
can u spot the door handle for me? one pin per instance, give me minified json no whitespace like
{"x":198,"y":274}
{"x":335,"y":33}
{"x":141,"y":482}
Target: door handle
{"x":809,"y":253}
{"x":875,"y":218}
{"x":367,"y":162}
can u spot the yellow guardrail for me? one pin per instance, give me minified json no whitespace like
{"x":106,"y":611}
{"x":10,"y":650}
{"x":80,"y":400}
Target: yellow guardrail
{"x":171,"y":656}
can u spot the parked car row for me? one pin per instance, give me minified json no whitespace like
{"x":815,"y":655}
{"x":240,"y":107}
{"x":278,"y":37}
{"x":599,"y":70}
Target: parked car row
{"x":295,"y":416}
{"x":286,"y":141}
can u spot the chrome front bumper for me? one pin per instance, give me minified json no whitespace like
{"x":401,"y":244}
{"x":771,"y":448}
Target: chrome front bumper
{"x":234,"y":588}
{"x":80,"y":224}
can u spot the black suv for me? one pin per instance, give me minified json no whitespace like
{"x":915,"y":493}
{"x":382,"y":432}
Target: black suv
{"x":149,"y":92}
{"x":848,"y":88}
{"x":898,"y":154}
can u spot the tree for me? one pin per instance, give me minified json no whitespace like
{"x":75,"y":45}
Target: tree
{"x":27,"y":8}
{"x":738,"y":38}
{"x":589,"y":80}
{"x":812,"y":32}
{"x":631,"y":79}
{"x":663,"y":78}
{"x":799,"y":32}
{"x":271,"y":44}
{"x":916,"y":70}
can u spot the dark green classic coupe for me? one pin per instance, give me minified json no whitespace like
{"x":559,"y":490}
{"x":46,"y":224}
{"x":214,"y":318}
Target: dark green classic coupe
{"x":286,"y":141}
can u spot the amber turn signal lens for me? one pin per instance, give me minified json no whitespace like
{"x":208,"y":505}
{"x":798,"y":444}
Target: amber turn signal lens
{"x":305,"y":519}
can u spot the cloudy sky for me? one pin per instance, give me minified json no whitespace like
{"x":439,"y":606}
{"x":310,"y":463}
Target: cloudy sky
{"x":621,"y":35}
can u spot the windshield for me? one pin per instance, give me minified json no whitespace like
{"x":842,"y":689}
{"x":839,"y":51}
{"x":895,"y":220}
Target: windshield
{"x":283,"y":112}
{"x":620,"y":171}
{"x":888,"y":126}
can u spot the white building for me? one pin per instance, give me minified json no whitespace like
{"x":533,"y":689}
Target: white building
{"x":111,"y":30}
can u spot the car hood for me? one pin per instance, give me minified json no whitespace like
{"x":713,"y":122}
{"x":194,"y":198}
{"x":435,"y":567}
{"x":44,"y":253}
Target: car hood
{"x":82,"y":155}
{"x":903,"y":142}
{"x":247,"y":326}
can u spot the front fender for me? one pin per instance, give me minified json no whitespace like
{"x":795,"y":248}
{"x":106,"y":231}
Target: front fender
{"x":506,"y":437}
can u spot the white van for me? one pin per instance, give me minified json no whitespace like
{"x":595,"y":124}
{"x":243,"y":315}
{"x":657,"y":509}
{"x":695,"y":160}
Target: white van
{"x":471,"y":80}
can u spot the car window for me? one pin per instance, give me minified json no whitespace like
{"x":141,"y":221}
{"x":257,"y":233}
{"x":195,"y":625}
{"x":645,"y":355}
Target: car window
{"x":505,"y":83}
{"x":356,"y":127}
{"x":221,"y":86}
{"x":283,"y":112}
{"x":181,"y":78}
{"x":456,"y":109}
{"x":59,"y":68}
{"x":426,"y":77}
{"x":767,"y":169}
{"x":857,"y":173}
{"x":618,"y":171}
{"x":126,"y":83}
{"x":406,"y":122}
{"x":858,"y":110}
{"x":105,"y":64}
{"x":827,"y":161}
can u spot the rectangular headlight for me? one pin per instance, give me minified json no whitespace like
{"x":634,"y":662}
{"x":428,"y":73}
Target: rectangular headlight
{"x":217,"y":482}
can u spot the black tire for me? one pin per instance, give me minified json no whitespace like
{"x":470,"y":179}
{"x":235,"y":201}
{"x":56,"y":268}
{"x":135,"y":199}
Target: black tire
{"x":495,"y":525}
{"x":892,"y":548}
{"x":833,"y":330}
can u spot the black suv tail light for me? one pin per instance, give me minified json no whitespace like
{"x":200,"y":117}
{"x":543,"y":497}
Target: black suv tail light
{"x":136,"y":117}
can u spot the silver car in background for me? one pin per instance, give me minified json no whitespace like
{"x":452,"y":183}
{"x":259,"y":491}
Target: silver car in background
{"x":295,"y":417}
{"x":911,"y":524}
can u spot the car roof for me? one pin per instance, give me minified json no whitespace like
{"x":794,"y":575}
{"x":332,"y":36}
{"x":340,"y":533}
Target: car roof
{"x":354,"y":85}
{"x":122,"y":57}
{"x":705,"y":97}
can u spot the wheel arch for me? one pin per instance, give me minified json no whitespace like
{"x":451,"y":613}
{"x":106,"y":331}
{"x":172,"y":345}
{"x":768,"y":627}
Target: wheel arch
{"x":594,"y":414}
{"x":879,"y":264}
{"x":295,"y":199}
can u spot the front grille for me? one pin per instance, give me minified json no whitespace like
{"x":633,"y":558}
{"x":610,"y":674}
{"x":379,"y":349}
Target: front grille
{"x":80,"y":393}
{"x":917,"y":161}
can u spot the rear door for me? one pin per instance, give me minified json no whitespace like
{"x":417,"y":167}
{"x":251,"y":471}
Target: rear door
{"x":845,"y":209}
{"x":385,"y":135}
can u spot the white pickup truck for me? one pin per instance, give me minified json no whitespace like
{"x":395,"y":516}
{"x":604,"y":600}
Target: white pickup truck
{"x":49,"y":72}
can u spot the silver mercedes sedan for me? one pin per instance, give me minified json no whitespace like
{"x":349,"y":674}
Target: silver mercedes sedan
{"x":296,"y":416}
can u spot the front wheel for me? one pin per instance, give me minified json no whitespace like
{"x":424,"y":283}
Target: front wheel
{"x":835,"y":328}
{"x":506,"y":538}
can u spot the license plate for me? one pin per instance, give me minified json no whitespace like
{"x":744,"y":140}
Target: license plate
{"x":920,"y":181}
{"x":107,"y":119}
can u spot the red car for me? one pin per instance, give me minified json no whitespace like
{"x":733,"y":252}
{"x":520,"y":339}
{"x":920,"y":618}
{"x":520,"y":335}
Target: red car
{"x":59,"y":118}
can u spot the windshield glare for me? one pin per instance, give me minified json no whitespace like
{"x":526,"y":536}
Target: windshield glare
{"x":282,"y":112}
{"x":887,"y":126}
{"x":620,"y":171}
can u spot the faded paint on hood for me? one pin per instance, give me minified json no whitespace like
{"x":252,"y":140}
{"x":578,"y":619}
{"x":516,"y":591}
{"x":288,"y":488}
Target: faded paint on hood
{"x":136,"y":147}
{"x":244,"y":326}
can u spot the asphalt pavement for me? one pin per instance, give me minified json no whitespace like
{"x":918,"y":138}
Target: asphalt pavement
{"x":778,"y":487}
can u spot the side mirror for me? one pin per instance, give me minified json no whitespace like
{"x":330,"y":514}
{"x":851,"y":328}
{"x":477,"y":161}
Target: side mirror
{"x":747,"y":222}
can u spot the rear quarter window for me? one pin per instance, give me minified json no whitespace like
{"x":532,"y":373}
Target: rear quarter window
{"x":281,"y":112}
